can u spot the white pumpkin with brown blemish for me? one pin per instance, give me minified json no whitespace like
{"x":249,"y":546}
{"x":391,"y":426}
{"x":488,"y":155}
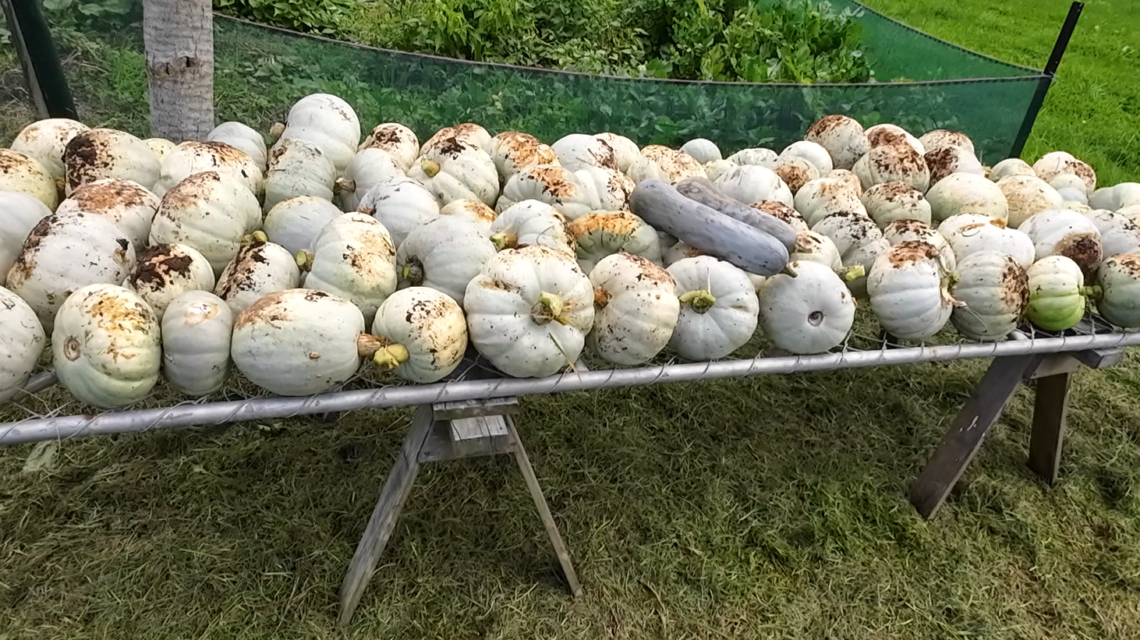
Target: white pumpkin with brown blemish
{"x":107,"y":346}
{"x":161,"y":147}
{"x":679,"y":251}
{"x":949,"y":160}
{"x":966,"y":193}
{"x":326,"y":122}
{"x":756,"y":156}
{"x":452,"y":169}
{"x":166,"y":271}
{"x":579,"y":150}
{"x":848,"y":178}
{"x":781,"y":211}
{"x":941,"y":138}
{"x":45,"y":141}
{"x":810,"y":313}
{"x":422,"y":334}
{"x":295,"y":223}
{"x":635,"y":309}
{"x":893,"y":163}
{"x":626,"y":151}
{"x":890,"y":201}
{"x":886,"y":134}
{"x":21,"y":343}
{"x":23,"y":174}
{"x":1066,"y":233}
{"x":300,"y":342}
{"x":126,"y":203}
{"x":795,"y":172}
{"x":395,"y":139}
{"x":993,"y":292}
{"x":529,"y":311}
{"x":750,"y":183}
{"x":603,"y":233}
{"x":843,"y":137}
{"x":816,"y":247}
{"x":473,"y":211}
{"x":298,"y":168}
{"x":512,"y":151}
{"x":1026,"y":196}
{"x":555,"y":185}
{"x":99,"y":154}
{"x":907,"y":288}
{"x":905,"y":230}
{"x":209,"y":212}
{"x":1118,"y":290}
{"x":400,"y":204}
{"x":193,"y":157}
{"x":1118,"y":234}
{"x":972,"y":233}
{"x":612,"y":188}
{"x":444,"y":254}
{"x":532,"y":222}
{"x":719,"y":308}
{"x":258,"y":269}
{"x":468,"y":133}
{"x":859,"y":241}
{"x":662,"y":163}
{"x":196,"y":332}
{"x":820,"y":198}
{"x":353,"y":258}
{"x":718,"y":168}
{"x":1057,"y":163}
{"x":1010,"y":167}
{"x":63,"y":254}
{"x":813,"y":152}
{"x":243,"y":138}
{"x":19,"y":214}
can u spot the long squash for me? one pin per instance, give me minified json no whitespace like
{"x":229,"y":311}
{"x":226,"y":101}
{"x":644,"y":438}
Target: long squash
{"x":703,"y":191}
{"x":707,"y":229}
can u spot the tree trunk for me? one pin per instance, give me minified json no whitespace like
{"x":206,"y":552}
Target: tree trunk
{"x":179,"y":40}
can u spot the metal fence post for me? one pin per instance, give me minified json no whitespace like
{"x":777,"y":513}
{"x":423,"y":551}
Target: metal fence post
{"x":42,"y":70}
{"x":1047,"y":79}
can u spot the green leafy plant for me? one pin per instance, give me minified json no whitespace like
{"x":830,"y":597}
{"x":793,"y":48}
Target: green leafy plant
{"x":314,"y":16}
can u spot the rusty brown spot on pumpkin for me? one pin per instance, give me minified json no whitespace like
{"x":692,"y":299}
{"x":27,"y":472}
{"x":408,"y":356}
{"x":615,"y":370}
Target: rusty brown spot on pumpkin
{"x":826,"y":125}
{"x":911,"y":252}
{"x":196,"y":188}
{"x":1129,"y":262}
{"x":157,"y":265}
{"x":895,"y":192}
{"x":553,"y":179}
{"x":1014,"y":285}
{"x":1083,"y":249}
{"x":105,"y":195}
{"x":793,"y":175}
{"x":909,"y":227}
{"x":777,"y":210}
{"x":942,"y":162}
{"x":84,"y":157}
{"x":116,"y":314}
{"x":885,"y":136}
{"x":267,"y":310}
{"x":13,"y":160}
{"x":601,"y":298}
{"x":385,"y":136}
{"x":618,"y":223}
{"x":897,"y":159}
{"x":242,"y":274}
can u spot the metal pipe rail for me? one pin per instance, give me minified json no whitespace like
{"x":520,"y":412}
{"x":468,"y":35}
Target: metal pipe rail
{"x":1092,"y":335}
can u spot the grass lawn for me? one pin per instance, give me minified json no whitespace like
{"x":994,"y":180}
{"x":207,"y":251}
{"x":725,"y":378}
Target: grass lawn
{"x":772,"y":507}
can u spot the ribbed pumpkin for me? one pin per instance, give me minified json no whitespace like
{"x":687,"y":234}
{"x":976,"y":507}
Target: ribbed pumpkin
{"x":258,"y":269}
{"x":556,"y":186}
{"x":702,"y":150}
{"x":45,"y":141}
{"x":21,"y":343}
{"x":1057,"y":295}
{"x":467,"y":132}
{"x":966,"y":193}
{"x":662,"y":163}
{"x":813,"y":152}
{"x":193,"y":157}
{"x":472,"y":211}
{"x":901,"y":231}
{"x":244,"y":138}
{"x":993,"y":291}
{"x":719,"y":308}
{"x":893,"y":163}
{"x":422,"y":334}
{"x":512,"y":152}
{"x":125,"y":203}
{"x":395,"y":139}
{"x":891,"y":201}
{"x":820,"y":198}
{"x":1118,"y":234}
{"x":843,"y":137}
{"x":400,"y":204}
{"x":1118,"y":290}
{"x":971,"y":233}
{"x":577,"y":151}
{"x":810,"y":313}
{"x":532,"y":222}
{"x":295,"y":223}
{"x":19,"y":214}
{"x":196,"y":332}
{"x":626,"y":151}
{"x":907,"y":288}
{"x":326,"y":122}
{"x":1011,"y":167}
{"x":368,"y":168}
{"x":452,"y":169}
{"x":99,"y":154}
{"x":209,"y":212}
{"x":298,"y":168}
{"x":635,"y":309}
{"x":23,"y":174}
{"x":444,"y":254}
{"x":604,"y":233}
{"x":1066,"y":233}
{"x":353,"y":258}
{"x":1027,"y":196}
{"x":891,"y":134}
{"x":753,"y":183}
{"x":166,"y":271}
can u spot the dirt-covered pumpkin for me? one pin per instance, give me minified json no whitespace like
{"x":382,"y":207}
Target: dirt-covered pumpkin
{"x":753,"y":183}
{"x":1057,"y":295}
{"x":208,"y":212}
{"x":532,"y":222}
{"x":21,"y":343}
{"x":1058,"y":163}
{"x":556,"y":186}
{"x":810,"y":313}
{"x":1118,"y":234}
{"x":400,"y":204}
{"x":98,"y":154}
{"x":635,"y":309}
{"x":626,"y":151}
{"x":579,"y":150}
{"x":421,"y":333}
{"x":843,"y":137}
{"x":244,"y":138}
{"x":795,"y":172}
{"x":127,"y":204}
{"x":858,"y":240}
{"x":298,"y":168}
{"x":296,"y":222}
{"x":107,"y":346}
{"x":196,"y":332}
{"x":820,"y":198}
{"x":893,"y":163}
{"x":941,"y":138}
{"x":891,"y":201}
{"x":326,"y":122}
{"x":368,"y":168}
{"x":19,"y":214}
{"x":783,"y":212}
{"x":45,"y":141}
{"x":901,"y":231}
{"x":1026,"y":196}
{"x":891,"y":134}
{"x":1066,"y":233}
{"x":966,"y":193}
{"x":993,"y":292}
{"x":950,"y":160}
{"x":193,"y":157}
{"x":719,"y":308}
{"x":662,"y":163}
{"x":353,"y":258}
{"x":1010,"y":167}
{"x":396,"y":140}
{"x":907,"y":288}
{"x":166,"y":271}
{"x":456,"y":170}
{"x":467,"y":132}
{"x":513,"y":151}
{"x":161,"y":147}
{"x":259,"y":268}
{"x":1118,"y":290}
{"x":23,"y":174}
{"x":603,"y":233}
{"x":611,"y":188}
{"x":444,"y":254}
{"x":813,"y":152}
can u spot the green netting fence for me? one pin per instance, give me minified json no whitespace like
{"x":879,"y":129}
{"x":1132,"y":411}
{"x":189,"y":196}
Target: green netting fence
{"x":260,"y":71}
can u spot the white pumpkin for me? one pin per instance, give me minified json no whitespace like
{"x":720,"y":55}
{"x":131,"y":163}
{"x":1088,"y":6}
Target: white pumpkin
{"x":396,"y":140}
{"x":455,"y":170}
{"x":422,"y":334}
{"x":891,"y":134}
{"x":604,"y":233}
{"x":1065,"y":233}
{"x":160,"y":147}
{"x":783,"y":212}
{"x":19,"y":214}
{"x":635,"y":309}
{"x":843,"y":138}
{"x":354,"y":258}
{"x":1132,"y":212}
{"x":295,"y":223}
{"x":755,"y":156}
{"x":513,"y":151}
{"x":400,"y":204}
{"x":193,"y":157}
{"x":949,"y":160}
{"x":818,"y":248}
{"x":98,"y":154}
{"x":243,"y":138}
{"x":297,"y":168}
{"x":858,"y":240}
{"x":468,"y":133}
{"x":813,"y":152}
{"x":63,"y":254}
{"x":1027,"y":196}
{"x":45,"y":141}
{"x":127,"y":204}
{"x":820,"y":198}
{"x":719,"y":308}
{"x":893,"y":163}
{"x":662,"y":163}
{"x":557,"y":186}
{"x":21,"y":343}
{"x":966,"y":193}
{"x":258,"y":269}
{"x":1117,"y":197}
{"x":300,"y":342}
{"x":901,"y":231}
{"x":1011,"y":167}
{"x":325,"y":122}
{"x":702,"y":150}
{"x":23,"y":174}
{"x":532,"y":222}
{"x":166,"y":271}
{"x":472,"y":210}
{"x":626,"y":151}
{"x":612,"y":188}
{"x":679,"y":251}
{"x":208,"y":212}
{"x":795,"y":172}
{"x":941,"y":138}
{"x":891,"y":201}
{"x":752,"y":183}
{"x":1118,"y":280}
{"x":579,"y":150}
{"x":107,"y":346}
{"x":848,"y":178}
{"x":1057,"y":295}
{"x":718,"y":168}
{"x":810,"y":313}
{"x":1057,"y":163}
{"x":971,"y":233}
{"x":529,"y":311}
{"x":907,"y":291}
{"x":1073,"y":198}
{"x":444,"y":254}
{"x":993,"y":292}
{"x":1118,"y":234}
{"x":1069,"y":182}
{"x":196,"y":332}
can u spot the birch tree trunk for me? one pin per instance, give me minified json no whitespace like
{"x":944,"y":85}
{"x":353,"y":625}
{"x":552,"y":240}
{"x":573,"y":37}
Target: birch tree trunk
{"x":179,"y":39}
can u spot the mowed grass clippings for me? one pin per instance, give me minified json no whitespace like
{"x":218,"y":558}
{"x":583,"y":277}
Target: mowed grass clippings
{"x":765,"y":508}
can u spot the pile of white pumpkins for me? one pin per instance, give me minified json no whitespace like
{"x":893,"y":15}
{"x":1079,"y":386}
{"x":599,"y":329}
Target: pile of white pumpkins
{"x":300,"y":261}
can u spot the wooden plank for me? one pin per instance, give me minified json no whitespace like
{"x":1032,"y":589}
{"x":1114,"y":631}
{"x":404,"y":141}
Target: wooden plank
{"x":964,"y":438}
{"x":440,"y":445}
{"x":475,"y":408}
{"x":1054,"y":364}
{"x":384,"y":515}
{"x":544,"y":511}
{"x":1099,"y":358}
{"x":1049,"y":412}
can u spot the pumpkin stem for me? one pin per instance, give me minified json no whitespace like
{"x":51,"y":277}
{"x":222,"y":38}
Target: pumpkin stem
{"x":699,"y":299}
{"x":367,"y":345}
{"x":430,"y":167}
{"x":413,"y":272}
{"x":305,"y":260}
{"x":548,"y":308}
{"x":344,"y":185}
{"x":256,"y":236}
{"x":391,"y":356}
{"x":789,"y":271}
{"x":602,"y":298}
{"x":276,"y":130}
{"x":368,"y":211}
{"x":852,"y":273}
{"x":504,"y":241}
{"x":1096,"y":292}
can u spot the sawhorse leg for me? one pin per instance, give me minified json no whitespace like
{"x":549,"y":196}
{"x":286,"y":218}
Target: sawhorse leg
{"x":1049,"y":412}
